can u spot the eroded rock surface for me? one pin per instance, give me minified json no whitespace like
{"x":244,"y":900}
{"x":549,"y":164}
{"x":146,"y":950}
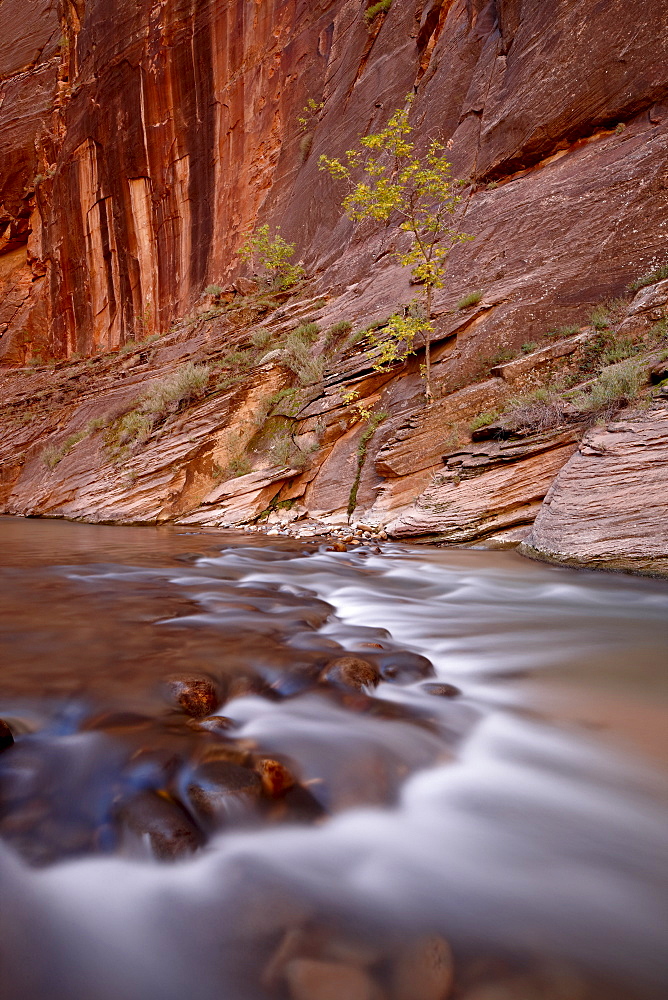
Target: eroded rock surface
{"x":608,"y":507}
{"x":487,"y":487}
{"x":142,"y":143}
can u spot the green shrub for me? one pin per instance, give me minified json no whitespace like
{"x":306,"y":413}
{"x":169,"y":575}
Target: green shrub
{"x":484,"y":419}
{"x":260,"y":338}
{"x":501,"y":356}
{"x":310,"y":114}
{"x":563,"y":331}
{"x":600,"y":318}
{"x":168,"y":396}
{"x":650,"y":278}
{"x":96,"y":424}
{"x":340,"y":329}
{"x":281,"y":450}
{"x":274,"y":255}
{"x":353,"y":339}
{"x":213,"y":290}
{"x":186,"y":384}
{"x":235,"y":359}
{"x":53,"y":454}
{"x":373,"y":420}
{"x":658,"y":332}
{"x":298,"y":354}
{"x":607,"y":349}
{"x":472,"y":299}
{"x":372,"y":12}
{"x":615,"y":387}
{"x":529,"y":347}
{"x":132,"y":428}
{"x":307,"y":367}
{"x":337,"y":331}
{"x":238,"y":466}
{"x":287,"y":401}
{"x":619,"y":350}
{"x":307,"y":332}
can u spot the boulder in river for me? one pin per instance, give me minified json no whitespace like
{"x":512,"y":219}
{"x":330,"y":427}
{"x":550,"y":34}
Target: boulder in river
{"x":276,"y":778}
{"x":299,"y":805}
{"x":350,"y":672}
{"x":310,"y":979}
{"x":6,"y":737}
{"x":441,"y":689}
{"x":423,"y":970}
{"x":221,"y":789}
{"x":170,"y":830}
{"x":403,"y":667}
{"x":195,"y":694}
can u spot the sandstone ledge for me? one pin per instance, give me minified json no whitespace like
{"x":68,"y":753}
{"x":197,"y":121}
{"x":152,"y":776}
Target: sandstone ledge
{"x":608,"y":506}
{"x":486,"y":488}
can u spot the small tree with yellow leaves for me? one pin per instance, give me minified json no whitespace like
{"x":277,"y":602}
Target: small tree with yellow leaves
{"x":418,"y":189}
{"x":273,"y":254}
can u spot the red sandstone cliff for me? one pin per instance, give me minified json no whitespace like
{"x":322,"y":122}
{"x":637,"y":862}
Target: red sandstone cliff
{"x":141,"y":140}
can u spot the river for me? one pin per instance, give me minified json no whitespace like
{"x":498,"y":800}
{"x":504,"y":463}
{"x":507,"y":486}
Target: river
{"x":499,"y":795}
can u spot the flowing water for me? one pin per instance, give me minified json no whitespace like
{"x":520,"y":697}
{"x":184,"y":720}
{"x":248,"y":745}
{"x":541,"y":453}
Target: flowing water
{"x":517,"y":811}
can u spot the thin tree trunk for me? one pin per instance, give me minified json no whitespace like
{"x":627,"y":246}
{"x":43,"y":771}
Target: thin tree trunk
{"x":427,"y":350}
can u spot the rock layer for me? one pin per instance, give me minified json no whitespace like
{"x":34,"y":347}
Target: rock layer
{"x":608,"y":507}
{"x":487,"y":488}
{"x":144,"y":141}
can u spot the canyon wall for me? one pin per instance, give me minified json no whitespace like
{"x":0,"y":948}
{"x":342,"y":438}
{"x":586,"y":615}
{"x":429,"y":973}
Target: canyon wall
{"x":142,"y":140}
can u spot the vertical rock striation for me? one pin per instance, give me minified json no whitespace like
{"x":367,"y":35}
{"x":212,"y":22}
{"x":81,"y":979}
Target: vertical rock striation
{"x":143,"y":140}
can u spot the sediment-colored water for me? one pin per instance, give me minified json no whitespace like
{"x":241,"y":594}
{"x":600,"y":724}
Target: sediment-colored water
{"x":501,"y":789}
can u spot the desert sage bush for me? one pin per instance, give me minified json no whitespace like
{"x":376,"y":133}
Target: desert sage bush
{"x":167,"y":396}
{"x":614,"y":388}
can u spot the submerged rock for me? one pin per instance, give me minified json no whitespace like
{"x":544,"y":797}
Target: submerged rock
{"x":276,"y":778}
{"x":299,"y":805}
{"x":311,"y":979}
{"x":6,"y":736}
{"x":219,"y":725}
{"x":195,"y":695}
{"x":403,"y":667}
{"x":441,"y":690}
{"x":170,"y":830}
{"x":350,"y":672}
{"x":221,"y":789}
{"x":423,"y":971}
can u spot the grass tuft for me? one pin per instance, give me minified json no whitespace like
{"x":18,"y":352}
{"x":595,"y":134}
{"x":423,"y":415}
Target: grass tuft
{"x":162,"y":398}
{"x":563,"y":331}
{"x":615,"y":388}
{"x":651,"y":278}
{"x":375,"y":10}
{"x":472,"y":299}
{"x":260,"y":338}
{"x":484,"y":419}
